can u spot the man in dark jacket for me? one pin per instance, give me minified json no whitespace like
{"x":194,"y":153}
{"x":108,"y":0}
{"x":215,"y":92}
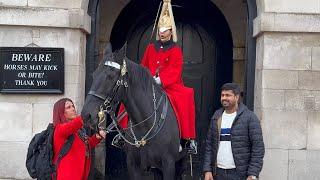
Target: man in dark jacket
{"x":234,"y":144}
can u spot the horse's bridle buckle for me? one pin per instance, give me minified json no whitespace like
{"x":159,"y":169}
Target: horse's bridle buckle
{"x":101,"y":115}
{"x":140,"y":143}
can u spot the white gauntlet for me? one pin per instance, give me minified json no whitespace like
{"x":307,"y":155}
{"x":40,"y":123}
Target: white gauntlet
{"x":157,"y":79}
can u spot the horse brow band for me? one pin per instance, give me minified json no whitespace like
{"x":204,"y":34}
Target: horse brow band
{"x":112,"y":64}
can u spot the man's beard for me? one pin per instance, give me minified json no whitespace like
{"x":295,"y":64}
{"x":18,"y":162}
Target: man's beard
{"x":226,"y":104}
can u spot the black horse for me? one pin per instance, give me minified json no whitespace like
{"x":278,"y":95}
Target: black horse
{"x":152,"y":135}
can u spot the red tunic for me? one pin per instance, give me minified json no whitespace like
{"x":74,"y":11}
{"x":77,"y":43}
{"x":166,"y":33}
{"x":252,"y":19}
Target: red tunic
{"x":75,"y":164}
{"x":169,"y":62}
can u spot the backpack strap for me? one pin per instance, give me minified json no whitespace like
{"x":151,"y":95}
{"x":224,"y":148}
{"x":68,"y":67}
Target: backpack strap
{"x":63,"y":151}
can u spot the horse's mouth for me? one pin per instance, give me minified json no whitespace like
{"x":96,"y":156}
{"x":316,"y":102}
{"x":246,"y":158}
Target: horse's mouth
{"x":90,"y":120}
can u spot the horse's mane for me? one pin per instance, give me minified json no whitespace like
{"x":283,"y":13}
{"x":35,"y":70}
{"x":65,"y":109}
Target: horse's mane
{"x":138,"y":73}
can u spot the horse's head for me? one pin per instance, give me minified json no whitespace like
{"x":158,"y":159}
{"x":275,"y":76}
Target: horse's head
{"x":105,"y":78}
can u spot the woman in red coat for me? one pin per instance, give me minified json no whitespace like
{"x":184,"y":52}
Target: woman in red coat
{"x":75,"y":164}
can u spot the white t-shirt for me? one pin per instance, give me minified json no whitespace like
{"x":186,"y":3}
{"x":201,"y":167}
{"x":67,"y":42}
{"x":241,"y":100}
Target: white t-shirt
{"x":225,"y":158}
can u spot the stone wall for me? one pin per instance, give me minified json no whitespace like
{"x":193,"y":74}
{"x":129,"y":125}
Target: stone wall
{"x":287,"y":93}
{"x":54,"y":23}
{"x":235,"y":13}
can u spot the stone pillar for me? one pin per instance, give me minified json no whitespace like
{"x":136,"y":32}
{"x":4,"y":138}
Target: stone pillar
{"x":239,"y":66}
{"x":287,"y":92}
{"x":54,"y":23}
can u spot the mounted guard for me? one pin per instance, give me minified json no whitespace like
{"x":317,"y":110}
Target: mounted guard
{"x":164,"y":59}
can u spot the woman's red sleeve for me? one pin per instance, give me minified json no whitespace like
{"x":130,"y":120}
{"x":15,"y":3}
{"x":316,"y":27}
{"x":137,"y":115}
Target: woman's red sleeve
{"x":69,"y":128}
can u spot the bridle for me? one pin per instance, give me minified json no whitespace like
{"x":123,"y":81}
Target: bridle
{"x":110,"y":104}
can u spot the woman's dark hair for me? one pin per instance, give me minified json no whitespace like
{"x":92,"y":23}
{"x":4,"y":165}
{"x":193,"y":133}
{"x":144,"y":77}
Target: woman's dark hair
{"x":58,"y":111}
{"x":231,"y":86}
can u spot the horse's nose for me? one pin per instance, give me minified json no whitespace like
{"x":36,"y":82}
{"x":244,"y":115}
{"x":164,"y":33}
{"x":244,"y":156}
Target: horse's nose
{"x":85,"y":115}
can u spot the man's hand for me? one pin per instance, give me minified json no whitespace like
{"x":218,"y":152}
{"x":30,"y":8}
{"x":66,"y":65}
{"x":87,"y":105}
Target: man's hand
{"x":157,"y":79}
{"x":251,"y":177}
{"x":208,"y":176}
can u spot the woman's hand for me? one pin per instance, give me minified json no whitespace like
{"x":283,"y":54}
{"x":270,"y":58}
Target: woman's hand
{"x":101,"y":134}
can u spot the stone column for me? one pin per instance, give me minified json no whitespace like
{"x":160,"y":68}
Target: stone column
{"x":54,"y":23}
{"x":287,"y":92}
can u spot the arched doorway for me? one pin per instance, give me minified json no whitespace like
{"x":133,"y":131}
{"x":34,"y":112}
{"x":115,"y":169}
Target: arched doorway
{"x":206,"y":41}
{"x":206,"y":65}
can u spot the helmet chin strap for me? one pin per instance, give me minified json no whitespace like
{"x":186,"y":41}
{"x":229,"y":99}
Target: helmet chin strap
{"x":163,"y":40}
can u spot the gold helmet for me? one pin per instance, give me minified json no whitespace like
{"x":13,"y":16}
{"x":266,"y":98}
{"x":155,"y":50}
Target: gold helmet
{"x":166,"y":20}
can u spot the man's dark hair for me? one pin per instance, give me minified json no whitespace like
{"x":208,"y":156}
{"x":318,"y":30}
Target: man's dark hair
{"x":231,"y":86}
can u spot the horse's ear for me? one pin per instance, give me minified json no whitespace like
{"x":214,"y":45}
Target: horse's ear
{"x":121,"y":54}
{"x":107,"y":54}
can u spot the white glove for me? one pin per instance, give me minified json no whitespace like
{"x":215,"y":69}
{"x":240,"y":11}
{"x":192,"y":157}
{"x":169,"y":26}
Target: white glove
{"x":157,"y":79}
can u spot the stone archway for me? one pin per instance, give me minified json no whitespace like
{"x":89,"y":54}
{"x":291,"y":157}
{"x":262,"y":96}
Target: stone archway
{"x":207,"y":47}
{"x":94,"y":43}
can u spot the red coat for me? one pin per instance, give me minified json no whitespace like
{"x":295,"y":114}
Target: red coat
{"x":169,"y":61}
{"x":75,"y":164}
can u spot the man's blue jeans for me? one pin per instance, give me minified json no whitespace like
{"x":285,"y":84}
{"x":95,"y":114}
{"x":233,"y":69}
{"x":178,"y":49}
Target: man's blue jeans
{"x":228,"y":174}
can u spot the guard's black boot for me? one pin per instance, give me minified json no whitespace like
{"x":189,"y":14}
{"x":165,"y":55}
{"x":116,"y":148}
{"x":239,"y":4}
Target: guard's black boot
{"x":118,"y":141}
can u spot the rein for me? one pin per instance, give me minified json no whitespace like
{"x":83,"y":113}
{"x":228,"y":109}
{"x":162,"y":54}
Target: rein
{"x":109,"y":105}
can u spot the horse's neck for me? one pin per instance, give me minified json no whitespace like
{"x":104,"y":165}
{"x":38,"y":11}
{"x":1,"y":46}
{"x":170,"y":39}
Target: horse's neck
{"x":139,"y":104}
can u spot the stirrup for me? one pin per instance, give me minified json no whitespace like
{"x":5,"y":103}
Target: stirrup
{"x":192,"y":147}
{"x":117,"y":141}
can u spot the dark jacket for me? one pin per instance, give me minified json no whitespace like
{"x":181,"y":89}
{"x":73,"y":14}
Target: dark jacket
{"x":246,"y":143}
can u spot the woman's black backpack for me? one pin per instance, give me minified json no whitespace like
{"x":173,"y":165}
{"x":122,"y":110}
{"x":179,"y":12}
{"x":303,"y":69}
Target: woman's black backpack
{"x":39,"y":161}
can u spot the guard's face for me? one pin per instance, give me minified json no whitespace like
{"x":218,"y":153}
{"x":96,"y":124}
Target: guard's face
{"x":229,"y":99}
{"x":165,"y":35}
{"x":69,"y":110}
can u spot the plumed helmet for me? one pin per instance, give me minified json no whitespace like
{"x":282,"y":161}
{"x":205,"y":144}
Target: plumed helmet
{"x":166,"y":20}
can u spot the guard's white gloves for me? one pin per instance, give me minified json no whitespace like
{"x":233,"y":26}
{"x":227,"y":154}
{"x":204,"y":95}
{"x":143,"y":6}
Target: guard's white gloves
{"x":157,"y":79}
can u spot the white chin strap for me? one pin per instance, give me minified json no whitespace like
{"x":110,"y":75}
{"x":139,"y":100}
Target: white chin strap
{"x":112,"y":64}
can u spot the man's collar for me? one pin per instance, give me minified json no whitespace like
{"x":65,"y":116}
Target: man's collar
{"x":164,"y":45}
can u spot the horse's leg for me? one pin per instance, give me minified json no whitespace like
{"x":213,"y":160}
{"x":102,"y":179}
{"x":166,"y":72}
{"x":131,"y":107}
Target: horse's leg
{"x":168,"y":168}
{"x":133,"y":169}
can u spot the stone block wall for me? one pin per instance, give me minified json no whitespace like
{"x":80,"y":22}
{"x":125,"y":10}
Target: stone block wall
{"x":287,"y":99}
{"x":53,"y":23}
{"x":287,"y":87}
